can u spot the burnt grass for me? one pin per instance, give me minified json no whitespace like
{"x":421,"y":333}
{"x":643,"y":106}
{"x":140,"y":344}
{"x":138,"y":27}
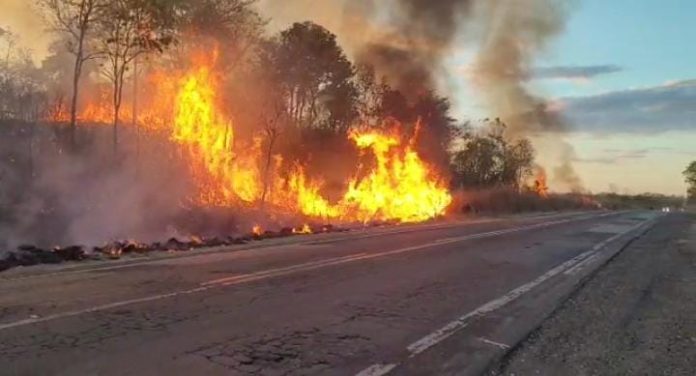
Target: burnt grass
{"x":30,"y":255}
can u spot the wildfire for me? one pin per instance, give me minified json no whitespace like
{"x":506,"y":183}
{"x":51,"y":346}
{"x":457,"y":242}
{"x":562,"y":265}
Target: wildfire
{"x":394,"y":183}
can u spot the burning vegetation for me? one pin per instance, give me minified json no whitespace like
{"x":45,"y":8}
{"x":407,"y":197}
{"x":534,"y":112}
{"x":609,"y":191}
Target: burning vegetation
{"x":199,"y":122}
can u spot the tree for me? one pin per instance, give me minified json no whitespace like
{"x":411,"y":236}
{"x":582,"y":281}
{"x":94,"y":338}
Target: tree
{"x":488,"y":159}
{"x":22,"y":89}
{"x":316,"y":77}
{"x":74,"y":19}
{"x":371,"y":94}
{"x":690,"y":178}
{"x":128,"y":29}
{"x":432,"y":112}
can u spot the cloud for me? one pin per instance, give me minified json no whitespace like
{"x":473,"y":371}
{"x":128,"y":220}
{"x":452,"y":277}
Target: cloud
{"x":574,"y":73}
{"x":613,"y":156}
{"x":667,"y":107}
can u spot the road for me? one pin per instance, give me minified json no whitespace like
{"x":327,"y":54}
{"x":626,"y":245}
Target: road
{"x":442,"y":298}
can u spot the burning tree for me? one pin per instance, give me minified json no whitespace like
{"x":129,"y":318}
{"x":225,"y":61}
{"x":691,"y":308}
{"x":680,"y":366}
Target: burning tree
{"x":74,"y":19}
{"x":128,"y":29}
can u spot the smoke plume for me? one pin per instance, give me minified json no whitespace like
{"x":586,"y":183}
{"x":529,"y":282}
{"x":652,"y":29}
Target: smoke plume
{"x":418,"y":36}
{"x":513,"y":34}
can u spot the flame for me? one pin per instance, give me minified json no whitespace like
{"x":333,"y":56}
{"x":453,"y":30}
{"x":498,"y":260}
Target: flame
{"x":540,"y":185}
{"x":305,"y":229}
{"x":400,"y":187}
{"x":224,"y":176}
{"x":394,"y":184}
{"x":257,"y":230}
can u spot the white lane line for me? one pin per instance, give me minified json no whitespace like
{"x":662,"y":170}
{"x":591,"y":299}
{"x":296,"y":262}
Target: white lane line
{"x":461,"y":322}
{"x":244,"y":278}
{"x":494,"y":343}
{"x":377,"y":370}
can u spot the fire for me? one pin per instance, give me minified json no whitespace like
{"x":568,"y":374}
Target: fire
{"x":400,"y":187}
{"x":305,"y":229}
{"x":224,"y":176}
{"x":394,"y":184}
{"x":540,"y":185}
{"x":257,"y":230}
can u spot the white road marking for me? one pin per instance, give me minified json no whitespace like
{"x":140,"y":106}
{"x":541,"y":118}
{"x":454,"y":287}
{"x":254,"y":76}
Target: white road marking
{"x":461,"y":322}
{"x":244,"y":278}
{"x":494,"y":343}
{"x":377,"y":370}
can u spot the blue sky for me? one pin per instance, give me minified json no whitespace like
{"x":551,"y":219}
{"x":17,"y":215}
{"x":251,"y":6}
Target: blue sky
{"x":636,"y":128}
{"x":652,"y":41}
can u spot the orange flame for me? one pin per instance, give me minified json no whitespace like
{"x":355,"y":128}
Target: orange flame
{"x":305,"y":229}
{"x":540,"y":185}
{"x":399,"y":185}
{"x":224,"y":176}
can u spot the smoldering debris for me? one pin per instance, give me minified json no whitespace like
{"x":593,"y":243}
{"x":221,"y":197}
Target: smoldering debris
{"x":30,"y":255}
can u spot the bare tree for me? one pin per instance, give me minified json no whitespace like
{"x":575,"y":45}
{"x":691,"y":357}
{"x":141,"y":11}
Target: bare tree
{"x":128,"y":29}
{"x":74,"y":18}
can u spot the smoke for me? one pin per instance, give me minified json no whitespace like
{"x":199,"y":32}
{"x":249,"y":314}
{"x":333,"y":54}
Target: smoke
{"x":49,"y":197}
{"x":513,"y":34}
{"x":419,"y":35}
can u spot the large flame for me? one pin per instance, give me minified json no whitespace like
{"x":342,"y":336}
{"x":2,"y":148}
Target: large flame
{"x":224,"y":176}
{"x":401,"y":186}
{"x":394,"y":183}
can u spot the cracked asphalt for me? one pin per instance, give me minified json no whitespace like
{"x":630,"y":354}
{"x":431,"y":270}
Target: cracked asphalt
{"x":312,"y":306}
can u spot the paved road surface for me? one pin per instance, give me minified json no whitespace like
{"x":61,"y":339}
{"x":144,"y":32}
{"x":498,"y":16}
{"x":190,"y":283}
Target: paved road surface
{"x":427,"y":299}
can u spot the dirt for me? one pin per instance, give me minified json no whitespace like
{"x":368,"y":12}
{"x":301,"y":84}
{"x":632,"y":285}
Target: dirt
{"x":636,"y":316}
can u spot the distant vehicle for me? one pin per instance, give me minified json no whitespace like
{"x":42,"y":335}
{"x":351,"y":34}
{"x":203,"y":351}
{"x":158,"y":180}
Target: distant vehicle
{"x":666,"y":209}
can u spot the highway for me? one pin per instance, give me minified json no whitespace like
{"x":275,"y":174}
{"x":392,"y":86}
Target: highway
{"x":437,"y":298}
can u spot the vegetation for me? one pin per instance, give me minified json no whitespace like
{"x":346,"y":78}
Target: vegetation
{"x":690,"y":177}
{"x":74,"y":19}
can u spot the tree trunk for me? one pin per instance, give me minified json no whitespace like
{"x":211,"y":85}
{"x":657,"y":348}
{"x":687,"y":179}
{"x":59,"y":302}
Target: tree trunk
{"x":73,"y":102}
{"x":266,"y":178}
{"x":117,"y":108}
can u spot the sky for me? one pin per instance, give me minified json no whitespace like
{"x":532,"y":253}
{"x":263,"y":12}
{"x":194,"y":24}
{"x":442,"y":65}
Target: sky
{"x":623,"y":72}
{"x":634,"y":115}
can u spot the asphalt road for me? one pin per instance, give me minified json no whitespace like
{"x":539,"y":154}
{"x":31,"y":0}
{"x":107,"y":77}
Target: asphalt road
{"x":442,"y":298}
